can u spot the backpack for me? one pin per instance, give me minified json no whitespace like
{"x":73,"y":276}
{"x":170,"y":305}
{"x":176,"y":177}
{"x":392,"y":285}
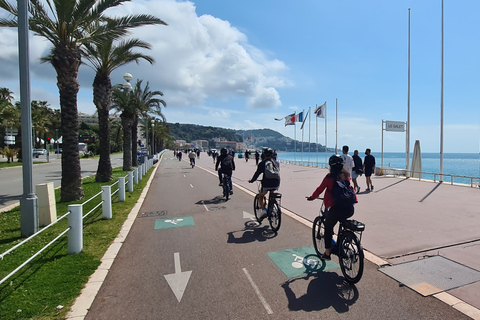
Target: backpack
{"x":343,"y":194}
{"x":227,"y":163}
{"x":272,"y":171}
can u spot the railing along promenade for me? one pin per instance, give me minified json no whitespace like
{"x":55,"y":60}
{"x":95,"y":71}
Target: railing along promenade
{"x":76,"y":216}
{"x":386,"y":171}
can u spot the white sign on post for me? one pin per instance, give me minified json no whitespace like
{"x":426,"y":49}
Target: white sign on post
{"x":11,"y":132}
{"x":397,"y":126}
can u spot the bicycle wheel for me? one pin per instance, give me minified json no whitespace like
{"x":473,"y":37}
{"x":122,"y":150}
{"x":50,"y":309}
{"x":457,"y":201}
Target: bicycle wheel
{"x":318,"y":235}
{"x":350,"y":257}
{"x":256,"y":208}
{"x":275,"y":216}
{"x":226,"y":188}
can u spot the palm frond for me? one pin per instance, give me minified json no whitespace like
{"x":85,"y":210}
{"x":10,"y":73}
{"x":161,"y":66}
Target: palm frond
{"x":9,"y":8}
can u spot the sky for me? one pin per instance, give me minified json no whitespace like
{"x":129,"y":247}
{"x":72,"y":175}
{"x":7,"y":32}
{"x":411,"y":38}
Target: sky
{"x":240,"y":64}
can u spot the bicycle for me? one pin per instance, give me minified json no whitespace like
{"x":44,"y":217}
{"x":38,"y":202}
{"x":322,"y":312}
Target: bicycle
{"x":274,"y":214}
{"x":348,"y":247}
{"x":192,"y":162}
{"x":226,"y":186}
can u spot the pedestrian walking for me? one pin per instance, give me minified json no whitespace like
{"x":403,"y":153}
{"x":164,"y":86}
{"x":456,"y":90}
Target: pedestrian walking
{"x":369,"y":168}
{"x":357,"y":170}
{"x":347,"y":160}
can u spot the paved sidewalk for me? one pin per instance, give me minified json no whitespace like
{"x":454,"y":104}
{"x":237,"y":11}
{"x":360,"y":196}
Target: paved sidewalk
{"x":406,"y":220}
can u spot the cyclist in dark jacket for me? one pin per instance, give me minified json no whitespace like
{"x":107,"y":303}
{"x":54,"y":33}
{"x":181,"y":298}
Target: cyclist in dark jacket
{"x":227,"y":165}
{"x":267,"y":184}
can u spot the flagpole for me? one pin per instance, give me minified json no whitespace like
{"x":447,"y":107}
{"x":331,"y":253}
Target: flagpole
{"x":336,"y":124}
{"x":441,"y":111}
{"x":316,"y":133}
{"x":407,"y":156}
{"x":325,"y":134}
{"x":295,"y":140}
{"x":309,"y":127}
{"x":303,"y":112}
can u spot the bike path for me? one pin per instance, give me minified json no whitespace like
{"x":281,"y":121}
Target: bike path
{"x":136,"y":286}
{"x":406,"y":220}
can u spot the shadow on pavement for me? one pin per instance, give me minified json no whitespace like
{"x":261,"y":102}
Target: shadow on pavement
{"x":216,"y":200}
{"x":433,"y":190}
{"x":5,"y":199}
{"x":325,"y":289}
{"x":252,"y":232}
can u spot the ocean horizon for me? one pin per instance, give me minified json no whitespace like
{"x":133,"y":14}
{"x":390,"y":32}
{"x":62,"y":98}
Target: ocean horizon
{"x":457,"y":164}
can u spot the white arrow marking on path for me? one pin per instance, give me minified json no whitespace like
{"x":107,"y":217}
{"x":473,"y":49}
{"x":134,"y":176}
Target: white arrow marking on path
{"x":178,"y":280}
{"x":247,"y":215}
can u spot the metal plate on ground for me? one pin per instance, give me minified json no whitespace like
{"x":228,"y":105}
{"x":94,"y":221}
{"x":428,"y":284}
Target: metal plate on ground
{"x":432,"y":275}
{"x":300,"y":261}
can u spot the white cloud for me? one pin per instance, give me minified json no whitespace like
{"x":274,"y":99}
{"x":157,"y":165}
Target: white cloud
{"x":202,"y":57}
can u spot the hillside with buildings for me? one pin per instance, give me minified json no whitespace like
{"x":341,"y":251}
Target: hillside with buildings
{"x":206,"y":137}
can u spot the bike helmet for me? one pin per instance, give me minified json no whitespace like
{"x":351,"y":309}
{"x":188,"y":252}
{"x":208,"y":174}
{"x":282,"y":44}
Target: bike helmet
{"x":268,"y":152}
{"x":336,"y":162}
{"x":223,"y":151}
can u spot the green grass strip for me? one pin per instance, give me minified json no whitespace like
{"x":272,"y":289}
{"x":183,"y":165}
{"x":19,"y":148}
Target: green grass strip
{"x":56,"y":278}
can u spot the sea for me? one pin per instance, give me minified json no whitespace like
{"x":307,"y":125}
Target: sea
{"x":457,"y":167}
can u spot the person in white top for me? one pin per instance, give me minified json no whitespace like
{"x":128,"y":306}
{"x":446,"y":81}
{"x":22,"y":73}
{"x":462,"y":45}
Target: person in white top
{"x":347,"y":160}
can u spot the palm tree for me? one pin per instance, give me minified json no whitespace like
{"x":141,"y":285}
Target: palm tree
{"x":41,"y":118}
{"x":68,"y":25}
{"x":147,"y":103}
{"x":133,"y":104}
{"x":6,"y":95}
{"x":122,"y":100}
{"x":105,"y":58}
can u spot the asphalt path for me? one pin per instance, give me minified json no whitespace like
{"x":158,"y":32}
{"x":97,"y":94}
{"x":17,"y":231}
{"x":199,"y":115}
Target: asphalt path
{"x":217,"y":267}
{"x":11,"y":179}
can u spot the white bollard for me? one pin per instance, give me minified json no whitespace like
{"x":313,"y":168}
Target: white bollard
{"x":121,"y":189}
{"x":130,"y":182}
{"x":107,"y":202}
{"x":135,"y":175}
{"x":75,"y":234}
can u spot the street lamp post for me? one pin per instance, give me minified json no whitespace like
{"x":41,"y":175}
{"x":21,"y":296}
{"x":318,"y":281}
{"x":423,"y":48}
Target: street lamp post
{"x":146,"y":134}
{"x":29,"y":201}
{"x":153,"y":137}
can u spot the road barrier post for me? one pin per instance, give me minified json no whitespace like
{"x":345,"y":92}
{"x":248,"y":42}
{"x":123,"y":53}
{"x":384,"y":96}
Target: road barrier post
{"x":75,"y":234}
{"x":121,"y":189}
{"x":130,"y":182}
{"x":107,"y":202}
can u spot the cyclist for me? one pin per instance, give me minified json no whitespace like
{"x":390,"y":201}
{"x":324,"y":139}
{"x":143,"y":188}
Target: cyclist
{"x":227,"y":165}
{"x":267,"y":184}
{"x":334,"y":213}
{"x":192,"y":155}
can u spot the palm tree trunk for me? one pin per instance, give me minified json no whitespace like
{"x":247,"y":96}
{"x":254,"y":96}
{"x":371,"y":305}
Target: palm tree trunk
{"x":134,"y":142}
{"x":66,"y":63}
{"x":127,"y":142}
{"x":102,"y":91}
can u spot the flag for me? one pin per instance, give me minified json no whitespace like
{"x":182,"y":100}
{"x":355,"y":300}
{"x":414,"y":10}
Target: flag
{"x":320,"y":110}
{"x":299,"y":117}
{"x":303,"y":122}
{"x":290,"y":119}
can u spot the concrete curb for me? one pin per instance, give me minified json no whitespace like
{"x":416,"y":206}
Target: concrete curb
{"x":84,"y":301}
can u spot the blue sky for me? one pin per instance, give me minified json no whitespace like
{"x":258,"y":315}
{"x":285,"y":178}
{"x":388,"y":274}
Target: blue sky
{"x":240,"y":64}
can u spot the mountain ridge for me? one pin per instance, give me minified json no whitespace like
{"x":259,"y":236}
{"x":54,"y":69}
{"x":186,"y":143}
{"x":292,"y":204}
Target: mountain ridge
{"x":254,"y":138}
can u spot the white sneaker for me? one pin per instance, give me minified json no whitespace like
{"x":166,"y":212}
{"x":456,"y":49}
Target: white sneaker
{"x":264,"y":214}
